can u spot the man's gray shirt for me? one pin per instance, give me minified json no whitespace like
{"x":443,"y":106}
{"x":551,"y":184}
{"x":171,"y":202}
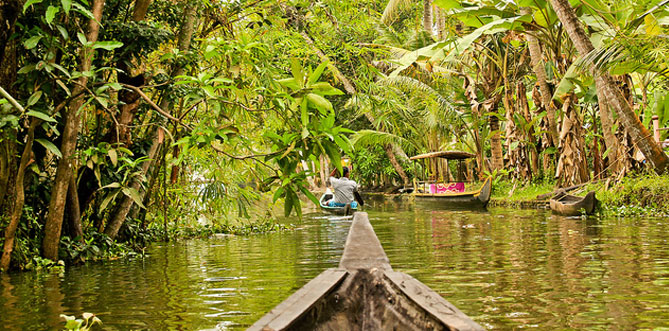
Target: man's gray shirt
{"x":343,"y":189}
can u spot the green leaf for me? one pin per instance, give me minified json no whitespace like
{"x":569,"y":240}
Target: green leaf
{"x":319,"y":102}
{"x":26,"y":69}
{"x":30,"y":3}
{"x":290,"y":83}
{"x":113,"y":156}
{"x":134,"y":195}
{"x":298,"y":72}
{"x":277,"y":194}
{"x":108,"y":45}
{"x":63,"y":32}
{"x":448,"y":4}
{"x":32,"y":42}
{"x":333,"y":153}
{"x":67,"y":5}
{"x":62,"y":85}
{"x":34,"y":98}
{"x":566,"y":84}
{"x":51,"y":14}
{"x":109,"y":198}
{"x":73,"y":324}
{"x":83,"y":11}
{"x":50,"y":146}
{"x":112,"y":185}
{"x":313,"y":78}
{"x":40,"y":115}
{"x":288,"y":204}
{"x":652,"y":26}
{"x":82,"y":38}
{"x":309,"y":195}
{"x":304,"y":113}
{"x":324,"y":88}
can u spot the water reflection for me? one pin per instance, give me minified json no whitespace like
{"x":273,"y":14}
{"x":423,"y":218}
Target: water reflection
{"x":504,"y":268}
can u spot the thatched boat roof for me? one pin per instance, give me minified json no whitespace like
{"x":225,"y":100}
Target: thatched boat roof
{"x":449,"y":155}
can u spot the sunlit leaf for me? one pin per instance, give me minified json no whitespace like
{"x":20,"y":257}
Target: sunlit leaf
{"x":50,"y":146}
{"x":134,"y":195}
{"x":51,"y":14}
{"x":40,"y":115}
{"x":30,"y":3}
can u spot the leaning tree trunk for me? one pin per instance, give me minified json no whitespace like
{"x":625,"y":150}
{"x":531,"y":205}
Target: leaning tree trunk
{"x":19,"y":192}
{"x":54,"y":221}
{"x":643,"y":138}
{"x":350,"y":89}
{"x":536,"y":59}
{"x":427,"y":16}
{"x":126,"y":203}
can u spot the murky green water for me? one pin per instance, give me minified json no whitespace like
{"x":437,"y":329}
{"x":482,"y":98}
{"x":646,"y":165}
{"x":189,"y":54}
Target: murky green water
{"x":505,"y":268}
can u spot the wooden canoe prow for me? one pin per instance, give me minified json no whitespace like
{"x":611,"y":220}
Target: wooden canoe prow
{"x":571,"y":205}
{"x":364,"y":293}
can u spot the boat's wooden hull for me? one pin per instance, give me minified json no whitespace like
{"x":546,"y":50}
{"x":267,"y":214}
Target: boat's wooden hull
{"x":364,"y":293}
{"x":475,"y":199}
{"x":570,"y":205}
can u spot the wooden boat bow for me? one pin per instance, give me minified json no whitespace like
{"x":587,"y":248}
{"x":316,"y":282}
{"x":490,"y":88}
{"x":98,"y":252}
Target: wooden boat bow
{"x":364,"y":293}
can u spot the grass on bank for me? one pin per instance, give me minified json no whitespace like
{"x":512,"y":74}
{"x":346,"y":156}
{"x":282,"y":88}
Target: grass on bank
{"x":641,"y":195}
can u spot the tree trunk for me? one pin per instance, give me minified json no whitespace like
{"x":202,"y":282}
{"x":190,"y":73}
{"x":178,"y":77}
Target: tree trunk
{"x":126,"y":203}
{"x":427,"y":16}
{"x":9,"y":160}
{"x":74,"y":211}
{"x":9,"y":12}
{"x":610,"y":139}
{"x":17,"y":210}
{"x":643,"y":138}
{"x":496,"y":144}
{"x":54,"y":221}
{"x":536,"y":59}
{"x":124,"y":206}
{"x":441,"y":23}
{"x":141,"y":7}
{"x":521,"y":97}
{"x":393,"y":160}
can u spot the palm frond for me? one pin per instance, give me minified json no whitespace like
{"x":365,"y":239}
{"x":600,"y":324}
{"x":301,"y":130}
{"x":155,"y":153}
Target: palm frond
{"x":419,"y":39}
{"x":388,"y":36}
{"x":367,"y":138}
{"x":391,"y":10}
{"x":412,"y":85}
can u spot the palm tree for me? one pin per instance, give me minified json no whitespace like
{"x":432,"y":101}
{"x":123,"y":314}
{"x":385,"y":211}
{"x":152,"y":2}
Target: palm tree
{"x":643,"y":138}
{"x":393,"y":7}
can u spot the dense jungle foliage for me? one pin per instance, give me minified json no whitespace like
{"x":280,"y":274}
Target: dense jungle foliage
{"x":128,"y":121}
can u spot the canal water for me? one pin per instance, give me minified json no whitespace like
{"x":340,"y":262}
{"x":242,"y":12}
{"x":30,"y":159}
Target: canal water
{"x":505,"y":268}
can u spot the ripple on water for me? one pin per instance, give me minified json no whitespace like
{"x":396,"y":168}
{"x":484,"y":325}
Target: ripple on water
{"x":505,"y":268}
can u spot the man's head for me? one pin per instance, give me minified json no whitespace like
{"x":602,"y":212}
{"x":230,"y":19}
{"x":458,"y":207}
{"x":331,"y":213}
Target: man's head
{"x":345,"y":171}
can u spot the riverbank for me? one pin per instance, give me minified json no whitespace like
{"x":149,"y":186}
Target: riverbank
{"x":644,"y":195}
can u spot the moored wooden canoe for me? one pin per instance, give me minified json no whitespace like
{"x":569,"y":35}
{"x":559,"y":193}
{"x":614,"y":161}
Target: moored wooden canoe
{"x":364,"y":293}
{"x":571,"y":205}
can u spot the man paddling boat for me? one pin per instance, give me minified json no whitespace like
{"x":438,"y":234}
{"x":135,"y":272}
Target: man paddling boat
{"x":344,"y":189}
